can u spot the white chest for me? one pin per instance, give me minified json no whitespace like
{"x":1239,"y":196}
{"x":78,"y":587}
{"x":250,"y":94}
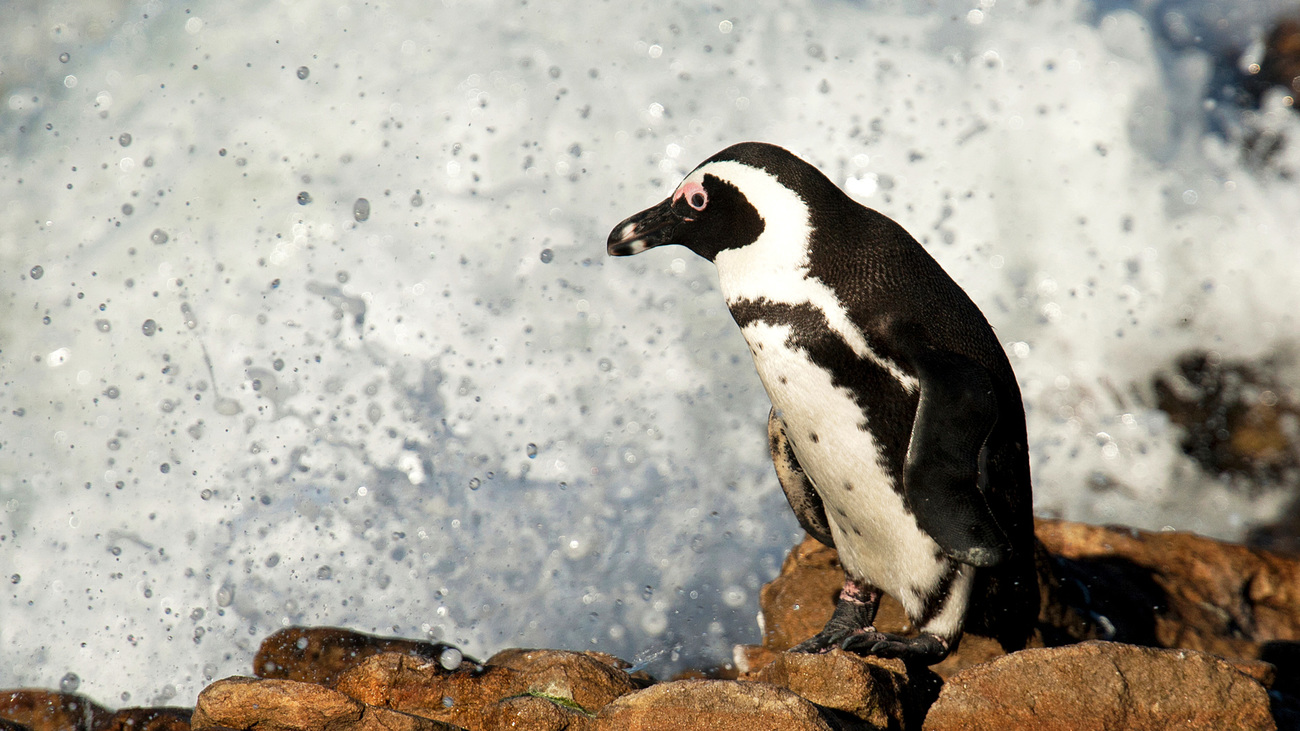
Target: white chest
{"x":877,"y":538}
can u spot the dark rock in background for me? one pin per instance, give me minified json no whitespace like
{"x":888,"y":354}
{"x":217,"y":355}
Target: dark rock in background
{"x":321,"y":654}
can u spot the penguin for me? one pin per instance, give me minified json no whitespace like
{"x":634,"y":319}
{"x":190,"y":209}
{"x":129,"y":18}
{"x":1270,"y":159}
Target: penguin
{"x":897,"y":429}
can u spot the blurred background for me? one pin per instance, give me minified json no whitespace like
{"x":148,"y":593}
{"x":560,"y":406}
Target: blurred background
{"x":305,"y":315}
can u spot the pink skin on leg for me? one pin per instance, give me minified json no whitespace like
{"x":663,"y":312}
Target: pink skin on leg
{"x":857,"y":592}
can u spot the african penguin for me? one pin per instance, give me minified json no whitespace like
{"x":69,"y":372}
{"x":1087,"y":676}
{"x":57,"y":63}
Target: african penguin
{"x":897,"y":428}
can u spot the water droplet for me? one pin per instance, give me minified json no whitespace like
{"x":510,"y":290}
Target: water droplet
{"x":342,"y":276}
{"x":103,"y":325}
{"x":112,"y":392}
{"x":324,"y":573}
{"x":15,"y":578}
{"x":450,"y":658}
{"x":69,"y":683}
{"x":205,"y":494}
{"x":187,"y":312}
{"x":546,"y":256}
{"x":165,"y":467}
{"x":531,"y":450}
{"x":226,"y":594}
{"x":278,"y":364}
{"x":149,"y":328}
{"x":417,"y":200}
{"x":127,"y":209}
{"x":159,"y":236}
{"x":647,"y":592}
{"x":64,"y":57}
{"x":605,"y":365}
{"x":361,"y":209}
{"x":304,"y":198}
{"x":474,"y":483}
{"x":37,"y":272}
{"x":124,"y":139}
{"x":227,"y":406}
{"x":303,"y":72}
{"x":447,"y":702}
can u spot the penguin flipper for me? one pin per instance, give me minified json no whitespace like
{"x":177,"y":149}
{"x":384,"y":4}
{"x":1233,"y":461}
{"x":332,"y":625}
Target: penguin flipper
{"x":798,"y":489}
{"x":956,"y":413}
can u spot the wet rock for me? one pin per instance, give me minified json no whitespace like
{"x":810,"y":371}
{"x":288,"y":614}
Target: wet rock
{"x":425,"y":688}
{"x":1179,"y":590}
{"x":288,"y":705}
{"x":577,"y":683}
{"x":47,"y":710}
{"x":148,"y":719}
{"x":588,"y":679}
{"x":1237,"y":419}
{"x":535,"y":713}
{"x":1101,"y":685}
{"x":720,"y":705}
{"x":796,"y":604}
{"x":321,"y":654}
{"x":871,"y":689}
{"x":1280,"y":65}
{"x":7,"y":725}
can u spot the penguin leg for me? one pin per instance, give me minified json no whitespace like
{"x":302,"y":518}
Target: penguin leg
{"x":853,"y":617}
{"x":799,"y":491}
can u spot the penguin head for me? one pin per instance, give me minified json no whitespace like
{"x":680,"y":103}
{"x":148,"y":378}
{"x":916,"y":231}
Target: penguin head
{"x":726,"y":203}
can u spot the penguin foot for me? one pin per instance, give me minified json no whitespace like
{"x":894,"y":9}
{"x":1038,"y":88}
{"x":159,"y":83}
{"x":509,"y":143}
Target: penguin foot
{"x":830,"y":638}
{"x":926,"y":649}
{"x":854,"y":614}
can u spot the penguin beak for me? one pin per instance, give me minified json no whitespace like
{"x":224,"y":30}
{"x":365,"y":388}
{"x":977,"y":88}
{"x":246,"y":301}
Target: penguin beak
{"x":645,"y":230}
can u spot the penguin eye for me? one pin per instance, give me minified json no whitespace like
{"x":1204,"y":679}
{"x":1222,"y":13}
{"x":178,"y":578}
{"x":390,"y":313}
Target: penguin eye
{"x":694,"y":194}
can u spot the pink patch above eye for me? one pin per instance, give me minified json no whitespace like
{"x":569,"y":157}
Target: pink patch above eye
{"x":693,"y":193}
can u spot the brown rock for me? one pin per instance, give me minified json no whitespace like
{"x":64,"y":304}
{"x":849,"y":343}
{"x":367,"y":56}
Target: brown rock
{"x":1101,"y":685}
{"x":872,"y":689}
{"x":719,"y":705}
{"x":752,"y":658}
{"x":1167,"y":589}
{"x":535,"y":714}
{"x":589,"y":679}
{"x":796,"y":604}
{"x":148,"y":719}
{"x":321,"y":654}
{"x":577,"y":683}
{"x":1173,"y":589}
{"x":46,"y":710}
{"x":1281,"y":62}
{"x":287,"y":705}
{"x":423,"y":688}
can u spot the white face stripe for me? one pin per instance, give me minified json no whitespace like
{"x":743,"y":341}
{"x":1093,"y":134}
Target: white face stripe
{"x":775,"y":266}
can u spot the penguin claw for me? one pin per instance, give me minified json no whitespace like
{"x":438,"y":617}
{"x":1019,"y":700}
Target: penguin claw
{"x":925,"y":648}
{"x":829,"y":639}
{"x":815,"y":645}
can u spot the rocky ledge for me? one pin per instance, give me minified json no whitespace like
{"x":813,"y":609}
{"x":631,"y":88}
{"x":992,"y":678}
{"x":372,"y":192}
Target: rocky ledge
{"x":1138,"y":631}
